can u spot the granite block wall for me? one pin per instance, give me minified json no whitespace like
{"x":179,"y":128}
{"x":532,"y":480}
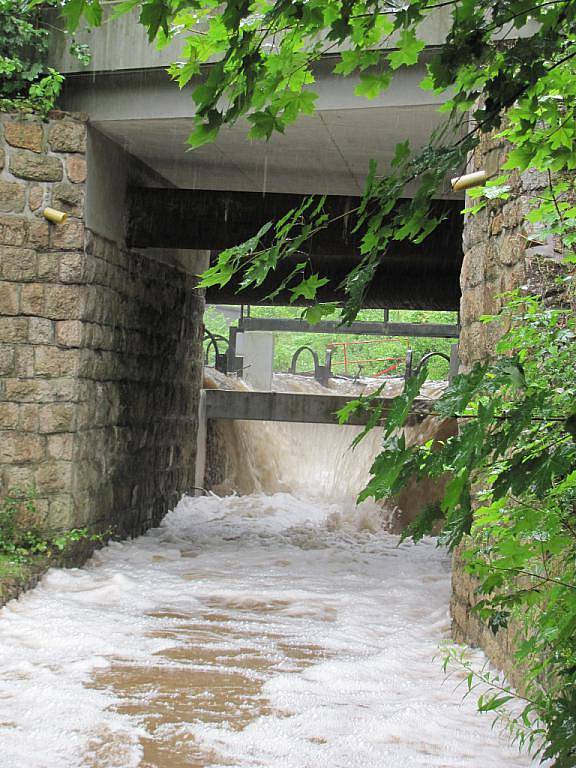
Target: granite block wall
{"x":99,"y":347}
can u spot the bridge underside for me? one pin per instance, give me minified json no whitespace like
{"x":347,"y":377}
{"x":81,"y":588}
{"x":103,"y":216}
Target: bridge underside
{"x":409,"y":276}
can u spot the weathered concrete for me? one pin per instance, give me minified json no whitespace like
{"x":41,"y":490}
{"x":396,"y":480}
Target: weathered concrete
{"x":258,"y":359}
{"x":130,"y":97}
{"x":124,"y":45}
{"x":289,"y":406}
{"x":424,"y":330}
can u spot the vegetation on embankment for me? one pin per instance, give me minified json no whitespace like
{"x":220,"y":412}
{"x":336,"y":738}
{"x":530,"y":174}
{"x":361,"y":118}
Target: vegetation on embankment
{"x":513,"y":488}
{"x":377,"y":348}
{"x":28,"y":549}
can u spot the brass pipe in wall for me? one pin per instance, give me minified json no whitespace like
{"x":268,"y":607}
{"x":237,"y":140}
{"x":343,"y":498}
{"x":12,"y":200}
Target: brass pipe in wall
{"x":469,"y":180}
{"x":54,"y":216}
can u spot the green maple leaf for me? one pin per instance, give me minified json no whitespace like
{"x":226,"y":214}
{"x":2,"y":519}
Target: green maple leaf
{"x":372,"y":84}
{"x":409,"y":47}
{"x":316,"y":313}
{"x":308,"y":288}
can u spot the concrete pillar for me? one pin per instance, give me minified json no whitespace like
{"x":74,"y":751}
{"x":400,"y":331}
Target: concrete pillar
{"x":201,"y":445}
{"x":258,"y":353}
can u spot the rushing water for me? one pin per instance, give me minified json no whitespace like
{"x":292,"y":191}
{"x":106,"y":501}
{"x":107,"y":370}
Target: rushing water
{"x":275,"y":630}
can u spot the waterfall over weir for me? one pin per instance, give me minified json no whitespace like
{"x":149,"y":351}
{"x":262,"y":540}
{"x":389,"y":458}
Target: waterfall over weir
{"x":279,"y":626}
{"x":313,"y":461}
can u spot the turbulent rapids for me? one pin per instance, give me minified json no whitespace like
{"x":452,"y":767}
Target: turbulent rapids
{"x":282,"y":628}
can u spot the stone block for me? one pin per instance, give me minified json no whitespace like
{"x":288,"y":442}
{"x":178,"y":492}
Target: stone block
{"x":58,"y":417}
{"x":32,"y":299}
{"x":475,"y":228}
{"x":9,"y":298}
{"x":69,"y":198}
{"x":472,"y":305}
{"x":497,"y":224}
{"x":12,"y":196}
{"x":61,"y":512}
{"x":17,"y":476}
{"x":513,"y":277}
{"x":493,"y":332}
{"x":13,"y":231}
{"x":24,"y":367}
{"x":512,"y":249}
{"x":67,"y":136}
{"x":472,"y":272}
{"x":8,"y":416}
{"x":39,"y":233}
{"x":69,"y":333}
{"x":19,"y":448}
{"x":35,"y":196}
{"x":13,"y":329}
{"x":28,"y":165}
{"x":512,"y":214}
{"x":68,"y":236}
{"x":29,"y":418}
{"x":54,"y":476}
{"x":63,"y":302}
{"x":472,"y":345}
{"x":534,"y":181}
{"x":61,"y":446}
{"x":53,"y":362}
{"x":24,"y":134}
{"x":72,"y":268}
{"x":40,"y":390}
{"x":459,"y":613}
{"x":18,"y":264}
{"x":48,"y":266}
{"x":40,"y":331}
{"x":7,"y":358}
{"x":76,"y":169}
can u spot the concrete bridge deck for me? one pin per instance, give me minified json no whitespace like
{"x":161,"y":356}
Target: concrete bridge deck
{"x":294,"y":407}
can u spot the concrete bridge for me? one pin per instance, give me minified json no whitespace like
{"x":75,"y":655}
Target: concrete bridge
{"x":155,"y":196}
{"x":101,"y":324}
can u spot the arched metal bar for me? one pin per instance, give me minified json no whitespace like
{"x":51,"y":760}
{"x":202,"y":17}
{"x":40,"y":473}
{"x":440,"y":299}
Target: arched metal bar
{"x":427,"y":357}
{"x":409,"y":364}
{"x":297,"y":354}
{"x":213,"y":339}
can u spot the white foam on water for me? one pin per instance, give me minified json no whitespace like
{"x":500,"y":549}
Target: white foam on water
{"x":244,"y":631}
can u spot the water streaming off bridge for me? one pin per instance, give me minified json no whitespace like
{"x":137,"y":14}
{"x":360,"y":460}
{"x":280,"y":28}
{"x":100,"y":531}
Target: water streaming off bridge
{"x":283,"y":629}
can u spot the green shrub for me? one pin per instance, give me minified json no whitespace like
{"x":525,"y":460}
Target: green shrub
{"x":23,"y":536}
{"x":26,"y":84}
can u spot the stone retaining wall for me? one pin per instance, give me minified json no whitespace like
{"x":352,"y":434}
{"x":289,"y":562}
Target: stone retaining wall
{"x":502,"y":252}
{"x":99,"y":347}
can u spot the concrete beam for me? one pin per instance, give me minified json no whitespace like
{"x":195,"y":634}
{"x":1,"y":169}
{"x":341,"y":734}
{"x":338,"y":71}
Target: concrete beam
{"x":424,"y":276}
{"x":424,"y":330}
{"x":287,"y":406}
{"x":123,"y":45}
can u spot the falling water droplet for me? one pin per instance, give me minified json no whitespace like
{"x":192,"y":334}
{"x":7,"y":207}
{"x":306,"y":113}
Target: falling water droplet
{"x":265,"y":177}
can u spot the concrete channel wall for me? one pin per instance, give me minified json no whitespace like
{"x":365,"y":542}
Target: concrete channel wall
{"x":99,"y":346}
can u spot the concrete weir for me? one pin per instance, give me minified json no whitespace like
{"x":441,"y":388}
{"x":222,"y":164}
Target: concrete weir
{"x":295,"y":407}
